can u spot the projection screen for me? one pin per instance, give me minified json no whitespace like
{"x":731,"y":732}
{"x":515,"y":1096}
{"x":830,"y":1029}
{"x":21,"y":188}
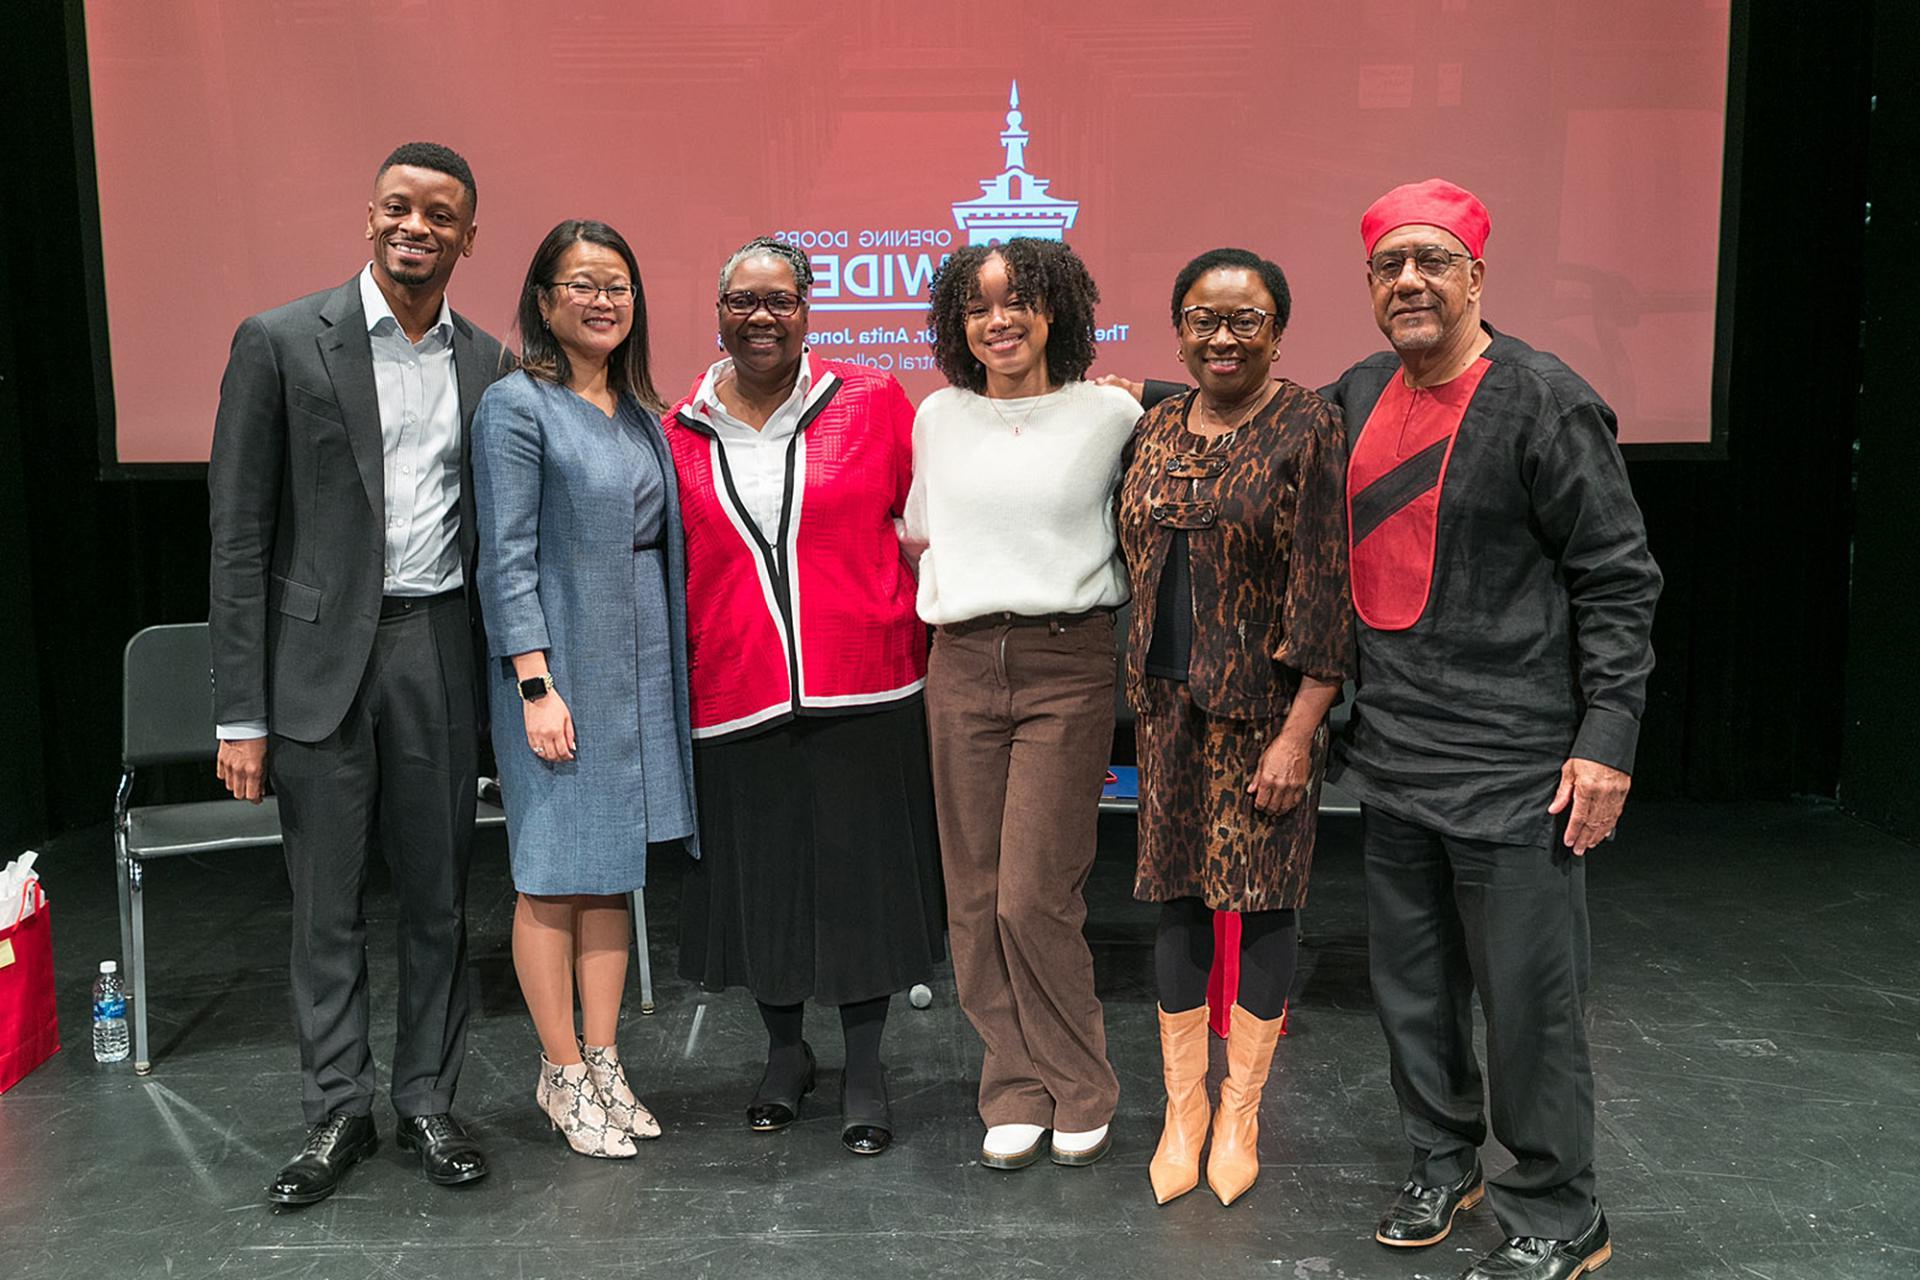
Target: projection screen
{"x":235,"y":142}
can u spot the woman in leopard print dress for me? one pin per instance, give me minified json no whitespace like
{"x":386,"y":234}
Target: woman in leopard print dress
{"x":1233,"y":526}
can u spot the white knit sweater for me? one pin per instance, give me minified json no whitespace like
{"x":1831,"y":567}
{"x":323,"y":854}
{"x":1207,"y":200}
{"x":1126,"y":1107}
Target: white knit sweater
{"x":1013,"y":502}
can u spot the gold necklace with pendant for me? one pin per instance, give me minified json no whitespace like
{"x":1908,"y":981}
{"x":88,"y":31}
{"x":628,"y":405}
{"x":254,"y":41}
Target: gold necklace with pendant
{"x":1012,"y":425}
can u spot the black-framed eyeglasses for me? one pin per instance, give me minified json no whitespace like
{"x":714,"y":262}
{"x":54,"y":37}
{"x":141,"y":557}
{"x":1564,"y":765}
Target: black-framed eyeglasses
{"x":1431,"y":261}
{"x":744,"y":302}
{"x":582,"y":293}
{"x":1244,"y":322}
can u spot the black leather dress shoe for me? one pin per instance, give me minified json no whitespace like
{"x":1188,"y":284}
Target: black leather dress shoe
{"x":1531,"y":1258}
{"x":1422,"y":1216}
{"x":776,"y":1105}
{"x":332,"y":1147}
{"x":866,"y":1120}
{"x":447,"y":1153}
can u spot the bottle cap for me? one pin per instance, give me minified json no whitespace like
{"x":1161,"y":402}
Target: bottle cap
{"x":109,"y":966}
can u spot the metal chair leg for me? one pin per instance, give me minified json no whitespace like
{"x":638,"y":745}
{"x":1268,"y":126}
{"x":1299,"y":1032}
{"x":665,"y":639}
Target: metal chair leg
{"x":640,"y":945}
{"x":136,"y":894}
{"x":123,"y":893}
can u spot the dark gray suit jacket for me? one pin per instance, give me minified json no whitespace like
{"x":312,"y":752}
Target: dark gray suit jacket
{"x":297,"y":490}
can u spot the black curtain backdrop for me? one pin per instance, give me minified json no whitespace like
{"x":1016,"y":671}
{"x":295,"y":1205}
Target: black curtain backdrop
{"x":1749,"y":696}
{"x":1880,"y":773}
{"x":24,"y":809}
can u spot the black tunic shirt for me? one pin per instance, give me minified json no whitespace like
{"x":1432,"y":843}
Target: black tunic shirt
{"x":1533,"y":641}
{"x":1170,"y":656}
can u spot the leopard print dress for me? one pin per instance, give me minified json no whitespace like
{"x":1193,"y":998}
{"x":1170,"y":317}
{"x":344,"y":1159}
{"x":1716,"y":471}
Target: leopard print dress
{"x":1265,"y":519}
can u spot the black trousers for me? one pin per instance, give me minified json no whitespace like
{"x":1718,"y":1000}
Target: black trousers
{"x":404,"y":760}
{"x":1448,"y":917}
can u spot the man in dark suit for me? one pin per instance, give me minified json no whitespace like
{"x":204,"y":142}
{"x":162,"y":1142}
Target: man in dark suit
{"x":343,"y":657}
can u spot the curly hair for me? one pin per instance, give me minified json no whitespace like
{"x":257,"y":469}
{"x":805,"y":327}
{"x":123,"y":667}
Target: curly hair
{"x":1270,"y":275}
{"x":1051,"y":278}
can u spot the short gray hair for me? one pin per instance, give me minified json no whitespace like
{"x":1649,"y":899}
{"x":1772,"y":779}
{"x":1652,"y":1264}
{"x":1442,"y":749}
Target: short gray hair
{"x":768,"y":247}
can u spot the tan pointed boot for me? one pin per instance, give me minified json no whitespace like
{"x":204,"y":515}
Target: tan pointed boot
{"x":1183,"y":1060}
{"x":1234,"y":1162}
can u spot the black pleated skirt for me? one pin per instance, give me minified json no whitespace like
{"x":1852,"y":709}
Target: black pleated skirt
{"x":819,"y":870}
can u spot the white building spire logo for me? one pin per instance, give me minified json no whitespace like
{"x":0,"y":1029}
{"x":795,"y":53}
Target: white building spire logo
{"x":1016,"y":203}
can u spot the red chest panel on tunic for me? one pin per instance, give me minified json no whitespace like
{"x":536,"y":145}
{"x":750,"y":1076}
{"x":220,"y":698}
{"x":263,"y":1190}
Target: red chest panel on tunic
{"x":1394,"y":480}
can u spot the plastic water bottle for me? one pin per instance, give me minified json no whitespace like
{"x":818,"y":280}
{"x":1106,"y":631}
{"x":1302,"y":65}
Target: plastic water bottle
{"x":109,"y":1015}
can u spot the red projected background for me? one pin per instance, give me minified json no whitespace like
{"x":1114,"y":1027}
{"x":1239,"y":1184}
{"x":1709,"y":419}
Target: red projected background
{"x":236,"y":141}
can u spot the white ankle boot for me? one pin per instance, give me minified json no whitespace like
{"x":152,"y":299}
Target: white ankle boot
{"x":568,"y":1096}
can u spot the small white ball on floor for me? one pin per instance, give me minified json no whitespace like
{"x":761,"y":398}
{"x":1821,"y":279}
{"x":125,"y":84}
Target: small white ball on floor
{"x":921,"y":996}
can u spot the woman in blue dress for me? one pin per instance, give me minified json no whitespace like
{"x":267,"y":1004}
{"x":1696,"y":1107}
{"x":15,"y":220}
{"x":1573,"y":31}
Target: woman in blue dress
{"x":582,"y":582}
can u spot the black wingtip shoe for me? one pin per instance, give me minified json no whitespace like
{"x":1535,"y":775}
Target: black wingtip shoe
{"x":1420,"y":1216}
{"x":1531,"y":1258}
{"x":332,"y":1147}
{"x":448,"y":1154}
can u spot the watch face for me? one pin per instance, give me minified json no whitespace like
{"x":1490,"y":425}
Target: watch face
{"x":534,"y":689}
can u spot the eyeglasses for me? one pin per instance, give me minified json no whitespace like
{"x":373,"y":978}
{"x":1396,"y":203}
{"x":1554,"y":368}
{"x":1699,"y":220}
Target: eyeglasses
{"x":743,"y":302}
{"x":1432,"y":262}
{"x":582,"y":294}
{"x":1204,"y":322}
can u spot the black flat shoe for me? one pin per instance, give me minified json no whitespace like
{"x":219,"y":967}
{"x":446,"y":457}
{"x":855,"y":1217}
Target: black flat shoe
{"x":772,"y":1112}
{"x":1532,"y":1258}
{"x":332,"y":1147}
{"x":447,"y":1154}
{"x":1420,"y":1216}
{"x":866,"y":1119}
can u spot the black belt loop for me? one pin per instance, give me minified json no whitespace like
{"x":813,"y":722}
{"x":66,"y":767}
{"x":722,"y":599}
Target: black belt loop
{"x":1055,"y":623}
{"x":398,"y":606}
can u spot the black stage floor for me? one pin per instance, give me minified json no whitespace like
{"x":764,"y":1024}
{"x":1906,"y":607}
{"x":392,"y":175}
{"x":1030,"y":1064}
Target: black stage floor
{"x":1755,"y":1021}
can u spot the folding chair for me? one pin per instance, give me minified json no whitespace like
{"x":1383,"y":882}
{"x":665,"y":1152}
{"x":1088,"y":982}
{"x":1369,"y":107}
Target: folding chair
{"x":167,"y":718}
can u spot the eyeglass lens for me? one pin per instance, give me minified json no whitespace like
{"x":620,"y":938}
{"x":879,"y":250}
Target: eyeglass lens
{"x":583,"y":293}
{"x":1204,"y":322}
{"x":1430,"y":263}
{"x":743,"y":303}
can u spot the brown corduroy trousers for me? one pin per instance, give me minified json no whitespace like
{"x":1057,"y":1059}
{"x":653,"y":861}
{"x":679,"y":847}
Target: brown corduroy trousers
{"x":1020,"y":717}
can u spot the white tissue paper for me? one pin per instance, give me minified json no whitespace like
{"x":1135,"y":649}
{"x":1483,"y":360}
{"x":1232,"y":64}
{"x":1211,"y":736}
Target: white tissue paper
{"x":20,"y":894}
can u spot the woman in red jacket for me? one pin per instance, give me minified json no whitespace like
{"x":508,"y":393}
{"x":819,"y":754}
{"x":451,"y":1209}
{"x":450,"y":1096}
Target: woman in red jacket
{"x":819,"y":874}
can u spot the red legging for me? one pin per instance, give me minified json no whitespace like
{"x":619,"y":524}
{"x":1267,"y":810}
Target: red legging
{"x":1183,"y":957}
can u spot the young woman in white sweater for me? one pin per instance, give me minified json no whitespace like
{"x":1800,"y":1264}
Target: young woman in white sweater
{"x":1012,"y":515}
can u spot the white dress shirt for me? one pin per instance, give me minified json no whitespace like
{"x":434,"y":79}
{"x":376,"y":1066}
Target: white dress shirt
{"x":757,"y":460}
{"x":419,"y":399}
{"x":420,"y":434}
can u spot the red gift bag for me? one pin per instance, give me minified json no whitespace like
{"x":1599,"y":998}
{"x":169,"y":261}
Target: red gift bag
{"x":29,"y":1033}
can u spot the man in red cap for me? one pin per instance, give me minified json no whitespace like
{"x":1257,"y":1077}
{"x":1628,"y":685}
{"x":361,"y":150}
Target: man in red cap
{"x":1504,"y":594}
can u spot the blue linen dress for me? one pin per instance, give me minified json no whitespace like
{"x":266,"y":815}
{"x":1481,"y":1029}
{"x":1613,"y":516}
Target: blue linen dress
{"x":581,"y":555}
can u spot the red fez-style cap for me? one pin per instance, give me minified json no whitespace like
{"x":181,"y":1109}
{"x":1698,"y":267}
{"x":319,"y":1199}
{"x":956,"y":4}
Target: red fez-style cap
{"x":1435,"y":202}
